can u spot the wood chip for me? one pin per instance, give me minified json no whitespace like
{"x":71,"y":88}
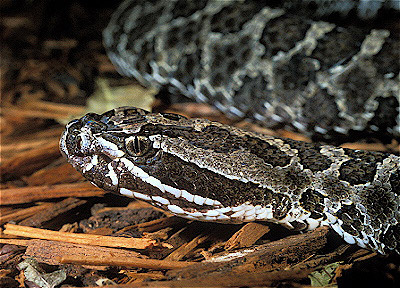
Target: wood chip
{"x":158,"y":224}
{"x":33,"y":194}
{"x":20,"y":214}
{"x":27,"y":162}
{"x":77,"y":238}
{"x":184,"y":249}
{"x":125,"y":262}
{"x":56,"y":209}
{"x":50,"y":252}
{"x":33,"y":113}
{"x":155,"y":275}
{"x":246,"y":236}
{"x":19,"y":242}
{"x":274,"y":255}
{"x":63,"y":110}
{"x":56,"y":174}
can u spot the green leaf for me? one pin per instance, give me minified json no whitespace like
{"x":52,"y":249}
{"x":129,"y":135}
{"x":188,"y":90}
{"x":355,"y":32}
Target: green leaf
{"x":324,"y":276}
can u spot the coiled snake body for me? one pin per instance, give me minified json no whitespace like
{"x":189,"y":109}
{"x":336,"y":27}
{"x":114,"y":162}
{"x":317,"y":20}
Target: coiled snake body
{"x":207,"y":171}
{"x":270,"y":65}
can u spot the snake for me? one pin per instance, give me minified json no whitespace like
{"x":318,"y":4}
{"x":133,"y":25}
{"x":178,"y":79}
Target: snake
{"x":272,"y":65}
{"x":207,"y":171}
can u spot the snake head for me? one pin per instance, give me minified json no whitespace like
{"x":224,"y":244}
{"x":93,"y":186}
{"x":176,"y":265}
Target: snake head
{"x":193,"y":168}
{"x":95,"y":144}
{"x":161,"y":158}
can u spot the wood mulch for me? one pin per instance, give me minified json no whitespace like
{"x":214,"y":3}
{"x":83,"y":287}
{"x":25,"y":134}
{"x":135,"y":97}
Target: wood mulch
{"x":59,"y":230}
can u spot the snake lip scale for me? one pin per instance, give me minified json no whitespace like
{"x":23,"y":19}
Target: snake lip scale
{"x":207,"y":171}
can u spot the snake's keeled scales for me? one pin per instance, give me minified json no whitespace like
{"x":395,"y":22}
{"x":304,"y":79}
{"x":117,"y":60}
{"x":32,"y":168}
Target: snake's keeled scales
{"x":277,"y":66}
{"x":207,"y":171}
{"x":274,"y":66}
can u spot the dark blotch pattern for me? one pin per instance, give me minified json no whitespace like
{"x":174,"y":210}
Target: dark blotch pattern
{"x":310,"y":155}
{"x":212,"y":53}
{"x":391,"y":238}
{"x":352,"y":219}
{"x":184,"y":8}
{"x":385,"y":115}
{"x":326,"y":114}
{"x":380,"y":204}
{"x":361,"y":168}
{"x":231,"y":18}
{"x":394,"y":181}
{"x":338,"y":46}
{"x":282,"y":33}
{"x":313,"y":202}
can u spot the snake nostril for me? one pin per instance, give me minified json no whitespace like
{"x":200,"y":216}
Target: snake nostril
{"x":77,"y":145}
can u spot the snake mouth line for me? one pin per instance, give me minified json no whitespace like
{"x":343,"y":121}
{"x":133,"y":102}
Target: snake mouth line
{"x":198,"y":175}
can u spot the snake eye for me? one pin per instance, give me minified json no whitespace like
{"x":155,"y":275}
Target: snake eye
{"x":137,"y":145}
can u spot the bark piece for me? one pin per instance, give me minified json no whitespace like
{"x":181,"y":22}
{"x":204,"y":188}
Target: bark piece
{"x":247,"y":235}
{"x":49,"y":252}
{"x":125,"y":262}
{"x":186,"y":248}
{"x":57,"y":209}
{"x":277,"y":254}
{"x":77,"y":238}
{"x":20,"y":214}
{"x":37,"y":193}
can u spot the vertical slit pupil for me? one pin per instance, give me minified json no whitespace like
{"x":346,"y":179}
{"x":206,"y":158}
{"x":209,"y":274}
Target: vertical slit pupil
{"x":136,"y":145}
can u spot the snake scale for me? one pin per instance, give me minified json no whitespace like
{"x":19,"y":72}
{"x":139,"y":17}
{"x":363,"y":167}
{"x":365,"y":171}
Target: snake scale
{"x":266,"y":64}
{"x":207,"y":171}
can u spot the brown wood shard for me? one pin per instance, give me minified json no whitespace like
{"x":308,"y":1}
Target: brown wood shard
{"x":246,"y":236}
{"x":277,"y":254}
{"x":37,"y":193}
{"x":50,"y":251}
{"x":27,"y":162}
{"x":78,"y":238}
{"x":57,"y":209}
{"x":125,"y":261}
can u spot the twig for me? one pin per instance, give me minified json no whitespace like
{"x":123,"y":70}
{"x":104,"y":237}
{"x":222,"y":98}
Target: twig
{"x":125,"y":262}
{"x":32,"y":194}
{"x":19,"y":242}
{"x":24,"y":213}
{"x":88,"y":239}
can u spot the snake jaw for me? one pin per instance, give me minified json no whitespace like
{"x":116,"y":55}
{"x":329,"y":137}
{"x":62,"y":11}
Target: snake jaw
{"x":207,"y":171}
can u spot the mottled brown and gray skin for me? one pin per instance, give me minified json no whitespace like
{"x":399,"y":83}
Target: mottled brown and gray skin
{"x":208,"y":171}
{"x":272,"y":65}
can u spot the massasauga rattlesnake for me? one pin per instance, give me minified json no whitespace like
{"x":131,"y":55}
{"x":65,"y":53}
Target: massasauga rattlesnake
{"x":266,"y":64}
{"x":270,"y":65}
